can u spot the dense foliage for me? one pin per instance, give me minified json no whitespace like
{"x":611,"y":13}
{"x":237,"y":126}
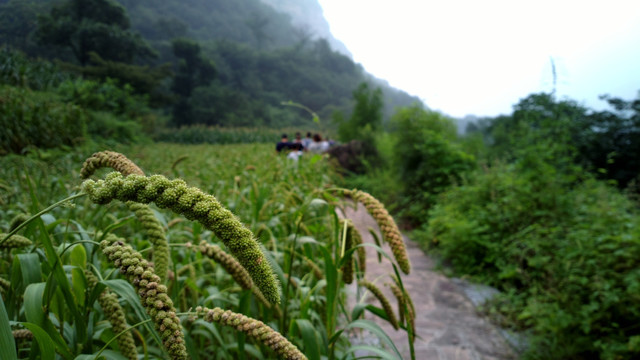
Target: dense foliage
{"x":519,"y":203}
{"x":603,"y":142}
{"x":86,"y":26}
{"x":564,"y":254}
{"x":366,"y":118}
{"x":36,"y":119}
{"x":44,"y":107}
{"x":62,"y":284}
{"x":427,"y":157}
{"x":233,"y":63}
{"x":561,"y":246}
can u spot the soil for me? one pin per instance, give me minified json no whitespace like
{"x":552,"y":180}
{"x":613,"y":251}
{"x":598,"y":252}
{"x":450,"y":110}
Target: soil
{"x":448,"y":327}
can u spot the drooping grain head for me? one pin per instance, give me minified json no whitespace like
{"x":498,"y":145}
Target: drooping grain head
{"x":390,"y":232}
{"x":113,"y":312}
{"x":14,"y":242}
{"x":195,"y":205}
{"x":110,"y":159}
{"x":153,"y":295}
{"x":386,"y":305}
{"x":253,"y":328}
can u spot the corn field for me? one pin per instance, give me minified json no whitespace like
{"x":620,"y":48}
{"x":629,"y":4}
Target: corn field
{"x":188,"y":252}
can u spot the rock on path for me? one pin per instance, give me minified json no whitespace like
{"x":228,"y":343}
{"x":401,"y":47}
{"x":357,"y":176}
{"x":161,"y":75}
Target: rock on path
{"x":447,"y":325}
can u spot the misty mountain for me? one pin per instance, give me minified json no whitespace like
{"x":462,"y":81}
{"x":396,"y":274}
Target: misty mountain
{"x":265,"y":52}
{"x":293,"y":31}
{"x":307,"y":16}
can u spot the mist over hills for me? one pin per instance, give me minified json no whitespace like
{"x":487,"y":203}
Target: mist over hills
{"x":289,"y":30}
{"x":308,"y":15}
{"x":265,"y":52}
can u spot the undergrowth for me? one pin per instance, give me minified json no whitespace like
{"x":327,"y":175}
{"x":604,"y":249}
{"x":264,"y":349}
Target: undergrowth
{"x":86,"y":259}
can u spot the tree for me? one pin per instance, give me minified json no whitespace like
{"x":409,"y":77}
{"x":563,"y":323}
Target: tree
{"x":539,"y":121}
{"x":144,"y":79}
{"x":428,"y":158}
{"x":85,"y":26}
{"x":193,"y":71}
{"x":611,"y":141}
{"x":18,"y":20}
{"x":568,"y":134}
{"x":366,"y":118}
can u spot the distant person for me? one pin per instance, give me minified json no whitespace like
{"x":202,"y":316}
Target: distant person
{"x":318,"y":146}
{"x":298,"y":141}
{"x":284,"y":144}
{"x":296,"y":151}
{"x":307,"y":140}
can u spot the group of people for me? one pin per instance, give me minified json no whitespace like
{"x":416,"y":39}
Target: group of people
{"x":298,"y":146}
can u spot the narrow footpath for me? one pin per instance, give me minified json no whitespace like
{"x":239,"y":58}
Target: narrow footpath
{"x":447,"y":325}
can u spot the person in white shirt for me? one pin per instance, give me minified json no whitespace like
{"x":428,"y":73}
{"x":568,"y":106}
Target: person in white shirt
{"x":307,"y":141}
{"x":318,"y":146}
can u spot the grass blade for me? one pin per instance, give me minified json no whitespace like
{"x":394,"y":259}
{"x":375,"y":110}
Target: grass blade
{"x":45,"y":343}
{"x":376,"y":330}
{"x":126,"y":291}
{"x":381,"y":354}
{"x":35,"y":314}
{"x":7,"y":344}
{"x":309,"y":339}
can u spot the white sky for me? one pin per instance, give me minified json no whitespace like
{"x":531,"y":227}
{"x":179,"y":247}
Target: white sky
{"x":481,"y":56}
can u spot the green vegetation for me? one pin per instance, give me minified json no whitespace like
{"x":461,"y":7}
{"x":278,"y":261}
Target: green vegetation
{"x":92,"y":26}
{"x":366,"y":118}
{"x":36,"y":119}
{"x":56,"y":281}
{"x":541,"y":203}
{"x":205,"y":63}
{"x":564,"y":253}
{"x":428,"y":159}
{"x":43,"y":107}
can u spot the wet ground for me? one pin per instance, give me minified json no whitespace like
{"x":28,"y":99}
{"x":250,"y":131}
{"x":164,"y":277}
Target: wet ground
{"x":447,"y":324}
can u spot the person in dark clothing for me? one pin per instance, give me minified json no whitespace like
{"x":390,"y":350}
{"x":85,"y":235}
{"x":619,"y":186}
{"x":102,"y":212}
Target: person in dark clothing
{"x":284,"y":144}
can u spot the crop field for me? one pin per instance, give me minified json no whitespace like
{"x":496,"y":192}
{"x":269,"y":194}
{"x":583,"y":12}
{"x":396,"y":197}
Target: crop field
{"x":245,"y":257}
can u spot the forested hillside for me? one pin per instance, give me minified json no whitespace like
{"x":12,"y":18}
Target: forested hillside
{"x":229,"y":63}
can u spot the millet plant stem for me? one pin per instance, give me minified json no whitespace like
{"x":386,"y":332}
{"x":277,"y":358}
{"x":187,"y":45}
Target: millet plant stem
{"x":344,"y":239}
{"x":42,"y":212}
{"x":289,"y":273}
{"x":118,"y":335}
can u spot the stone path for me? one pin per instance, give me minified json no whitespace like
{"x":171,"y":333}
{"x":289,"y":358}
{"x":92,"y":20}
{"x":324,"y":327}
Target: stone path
{"x":447,"y":324}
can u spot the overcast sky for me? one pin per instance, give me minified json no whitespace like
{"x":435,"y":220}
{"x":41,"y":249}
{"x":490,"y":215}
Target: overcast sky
{"x":481,"y":57}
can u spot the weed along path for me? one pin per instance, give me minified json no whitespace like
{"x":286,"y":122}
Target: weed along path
{"x":447,"y":325}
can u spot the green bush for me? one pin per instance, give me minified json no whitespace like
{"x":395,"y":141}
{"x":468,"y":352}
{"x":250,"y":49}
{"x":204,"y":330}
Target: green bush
{"x":29,"y":118}
{"x":428,"y":158}
{"x":17,"y":70}
{"x":102,"y":96}
{"x":564,"y":252}
{"x":106,"y":126}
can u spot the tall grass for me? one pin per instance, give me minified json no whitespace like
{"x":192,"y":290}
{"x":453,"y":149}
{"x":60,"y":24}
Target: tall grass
{"x":289,"y":207}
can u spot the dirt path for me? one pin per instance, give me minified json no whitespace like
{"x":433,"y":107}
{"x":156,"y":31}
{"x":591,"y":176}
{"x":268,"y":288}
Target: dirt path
{"x":446,"y":321}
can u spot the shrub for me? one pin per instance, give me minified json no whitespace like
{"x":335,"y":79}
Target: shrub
{"x":17,"y":70}
{"x":563,"y":252}
{"x":29,"y":118}
{"x":427,"y":157}
{"x":107,"y":126}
